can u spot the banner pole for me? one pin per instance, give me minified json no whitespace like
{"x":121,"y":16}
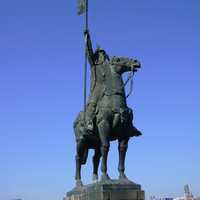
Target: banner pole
{"x":85,"y":67}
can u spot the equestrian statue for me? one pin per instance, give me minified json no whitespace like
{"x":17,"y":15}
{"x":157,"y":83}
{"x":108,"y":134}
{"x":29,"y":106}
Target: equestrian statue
{"x":107,"y":116}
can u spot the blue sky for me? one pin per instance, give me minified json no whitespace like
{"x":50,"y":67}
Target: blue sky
{"x":41,"y":84}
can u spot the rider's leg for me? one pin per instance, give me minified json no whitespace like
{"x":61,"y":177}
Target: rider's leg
{"x":90,"y":115}
{"x":96,"y":159}
{"x":123,"y":145}
{"x":104,"y":130}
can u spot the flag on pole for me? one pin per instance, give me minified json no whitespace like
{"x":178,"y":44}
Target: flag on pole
{"x":81,"y":7}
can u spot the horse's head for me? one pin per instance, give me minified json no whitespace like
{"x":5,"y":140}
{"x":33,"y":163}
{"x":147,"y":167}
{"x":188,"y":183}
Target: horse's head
{"x":135,"y":64}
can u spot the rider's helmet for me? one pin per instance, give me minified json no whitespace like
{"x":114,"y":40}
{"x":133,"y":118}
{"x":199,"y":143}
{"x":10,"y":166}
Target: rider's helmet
{"x":100,"y":55}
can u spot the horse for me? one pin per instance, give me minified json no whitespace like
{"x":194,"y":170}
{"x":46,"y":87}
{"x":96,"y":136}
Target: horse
{"x":113,"y":121}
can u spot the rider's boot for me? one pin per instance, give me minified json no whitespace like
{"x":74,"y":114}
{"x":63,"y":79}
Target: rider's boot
{"x":89,"y":127}
{"x":90,"y":116}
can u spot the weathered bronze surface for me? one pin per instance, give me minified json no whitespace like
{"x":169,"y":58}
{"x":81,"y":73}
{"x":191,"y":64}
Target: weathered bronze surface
{"x":115,"y":190}
{"x":107,"y":115}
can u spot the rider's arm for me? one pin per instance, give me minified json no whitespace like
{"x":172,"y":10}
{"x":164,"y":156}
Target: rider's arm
{"x":89,"y":48}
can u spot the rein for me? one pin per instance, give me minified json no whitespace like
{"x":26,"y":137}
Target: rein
{"x":130,"y":78}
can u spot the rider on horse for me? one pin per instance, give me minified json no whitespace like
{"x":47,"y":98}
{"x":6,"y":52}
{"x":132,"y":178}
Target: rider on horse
{"x":98,"y":61}
{"x":100,"y":85}
{"x":107,"y":115}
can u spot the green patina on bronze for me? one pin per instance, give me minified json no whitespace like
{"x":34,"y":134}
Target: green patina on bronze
{"x":107,"y":116}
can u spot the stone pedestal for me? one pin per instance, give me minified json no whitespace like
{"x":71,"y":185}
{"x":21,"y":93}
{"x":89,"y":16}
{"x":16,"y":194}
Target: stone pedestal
{"x":111,"y":190}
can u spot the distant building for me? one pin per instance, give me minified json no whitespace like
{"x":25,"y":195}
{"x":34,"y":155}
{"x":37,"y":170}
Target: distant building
{"x":179,"y":198}
{"x":165,"y":198}
{"x":17,"y":199}
{"x":187,"y":194}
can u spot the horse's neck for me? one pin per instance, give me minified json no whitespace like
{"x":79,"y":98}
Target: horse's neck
{"x":114,"y":94}
{"x":114,"y":82}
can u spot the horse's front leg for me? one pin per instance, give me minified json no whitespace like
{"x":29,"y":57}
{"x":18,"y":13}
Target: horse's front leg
{"x":123,"y":146}
{"x":96,"y":159}
{"x":104,"y":131}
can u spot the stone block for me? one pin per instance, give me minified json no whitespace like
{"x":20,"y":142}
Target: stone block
{"x":111,"y":190}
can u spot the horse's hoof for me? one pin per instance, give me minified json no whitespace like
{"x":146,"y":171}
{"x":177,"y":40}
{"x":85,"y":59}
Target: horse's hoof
{"x":123,"y":177}
{"x":94,"y":177}
{"x":105,"y":177}
{"x":79,"y":183}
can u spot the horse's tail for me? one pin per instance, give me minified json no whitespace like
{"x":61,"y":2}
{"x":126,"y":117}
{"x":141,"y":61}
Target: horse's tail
{"x":79,"y":126}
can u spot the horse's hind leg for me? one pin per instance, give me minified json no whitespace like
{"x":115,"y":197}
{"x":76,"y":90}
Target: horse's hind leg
{"x":96,"y":159}
{"x":78,"y":171}
{"x":79,"y":157}
{"x":104,"y":130}
{"x":123,"y":145}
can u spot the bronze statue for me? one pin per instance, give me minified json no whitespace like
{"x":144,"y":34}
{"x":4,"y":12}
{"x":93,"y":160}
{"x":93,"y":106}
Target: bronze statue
{"x":107,"y":115}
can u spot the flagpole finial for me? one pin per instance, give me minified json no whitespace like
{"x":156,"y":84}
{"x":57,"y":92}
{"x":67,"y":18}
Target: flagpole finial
{"x":82,"y":6}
